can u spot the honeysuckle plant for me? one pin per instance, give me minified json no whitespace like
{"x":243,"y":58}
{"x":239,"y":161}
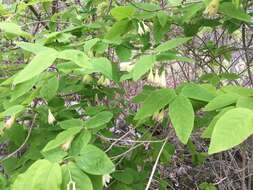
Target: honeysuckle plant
{"x":62,"y":93}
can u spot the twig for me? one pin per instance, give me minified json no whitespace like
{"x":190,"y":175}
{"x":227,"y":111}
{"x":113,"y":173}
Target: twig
{"x":155,"y":165}
{"x":23,"y":144}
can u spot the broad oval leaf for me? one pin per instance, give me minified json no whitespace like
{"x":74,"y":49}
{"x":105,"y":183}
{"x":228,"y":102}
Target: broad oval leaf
{"x":39,"y":63}
{"x":14,"y":29}
{"x":42,"y":175}
{"x":77,"y":57}
{"x":98,"y":120}
{"x":33,"y":47}
{"x":172,"y":44}
{"x":196,"y":92}
{"x":61,"y":138}
{"x":49,"y":88}
{"x":94,"y":161}
{"x":143,"y":65}
{"x":182,"y":117}
{"x":157,"y":100}
{"x":238,"y":13}
{"x":71,"y":172}
{"x":232,"y":128}
{"x":104,"y":66}
{"x":221,"y":100}
{"x":122,"y":12}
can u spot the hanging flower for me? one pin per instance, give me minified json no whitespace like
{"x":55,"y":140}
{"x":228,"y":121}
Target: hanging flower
{"x":106,"y":179}
{"x":212,"y":8}
{"x":71,"y":185}
{"x":9,"y":122}
{"x":162,"y":82}
{"x":145,"y":27}
{"x":157,"y":77}
{"x":87,"y":79}
{"x":140,"y":29}
{"x":66,"y":145}
{"x":159,"y":116}
{"x":50,"y":118}
{"x":150,"y":76}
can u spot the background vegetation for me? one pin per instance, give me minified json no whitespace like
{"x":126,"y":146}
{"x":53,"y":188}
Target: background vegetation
{"x":121,"y":95}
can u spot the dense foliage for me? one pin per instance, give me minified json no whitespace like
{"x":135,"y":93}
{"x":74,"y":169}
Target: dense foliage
{"x":66,"y":72}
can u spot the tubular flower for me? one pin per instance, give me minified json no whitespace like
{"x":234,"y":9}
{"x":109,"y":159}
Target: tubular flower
{"x":71,"y":185}
{"x":9,"y":122}
{"x":150,"y":76}
{"x":66,"y":145}
{"x":87,"y":79}
{"x":51,"y":119}
{"x":212,"y":8}
{"x":159,"y":116}
{"x":162,"y":82}
{"x":157,"y":77}
{"x":106,"y":179}
{"x":140,"y":29}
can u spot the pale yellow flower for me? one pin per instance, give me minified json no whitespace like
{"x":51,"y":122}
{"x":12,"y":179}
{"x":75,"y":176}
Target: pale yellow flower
{"x":9,"y":122}
{"x":51,"y":119}
{"x":106,"y":179}
{"x":212,"y":8}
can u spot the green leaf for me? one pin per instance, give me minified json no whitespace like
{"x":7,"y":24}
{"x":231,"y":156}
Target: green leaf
{"x":231,"y":11}
{"x":33,"y":47}
{"x":157,"y":100}
{"x":39,"y":63}
{"x":23,"y":88}
{"x":89,"y":44}
{"x":143,"y":65}
{"x":235,"y":126}
{"x":171,"y":44}
{"x":118,"y":29}
{"x":221,"y":100}
{"x":79,"y":142}
{"x":77,"y":57}
{"x":71,"y":172}
{"x":162,"y":17}
{"x":123,"y":53}
{"x":12,"y":111}
{"x":98,"y":120}
{"x":61,"y":138}
{"x":122,"y":12}
{"x":50,"y":88}
{"x":14,"y":29}
{"x":42,"y":175}
{"x":196,"y":92}
{"x":245,"y":102}
{"x":104,"y":66}
{"x":191,"y":10}
{"x":243,"y":91}
{"x":94,"y":161}
{"x":71,"y":123}
{"x":209,"y":130}
{"x":182,"y":117}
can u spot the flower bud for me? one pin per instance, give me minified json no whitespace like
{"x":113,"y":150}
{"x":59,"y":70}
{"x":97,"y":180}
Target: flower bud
{"x":50,"y":117}
{"x":106,"y":179}
{"x":162,"y":82}
{"x":145,"y":27}
{"x":71,"y":185}
{"x":66,"y":145}
{"x":212,"y":8}
{"x":159,"y":116}
{"x":150,"y":76}
{"x":140,"y":29}
{"x":87,"y":79}
{"x":9,"y":122}
{"x":157,"y":77}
